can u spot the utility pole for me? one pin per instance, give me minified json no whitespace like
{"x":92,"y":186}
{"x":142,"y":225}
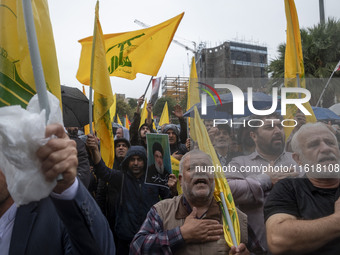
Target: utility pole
{"x":322,"y":12}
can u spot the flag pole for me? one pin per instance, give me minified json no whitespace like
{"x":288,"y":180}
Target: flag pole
{"x":148,"y":86}
{"x":38,"y":71}
{"x":324,"y":89}
{"x":230,"y":225}
{"x":91,"y":72}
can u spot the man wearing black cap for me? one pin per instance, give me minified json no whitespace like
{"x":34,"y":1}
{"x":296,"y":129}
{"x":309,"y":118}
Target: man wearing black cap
{"x":106,"y":194}
{"x":177,"y":149}
{"x":157,"y":173}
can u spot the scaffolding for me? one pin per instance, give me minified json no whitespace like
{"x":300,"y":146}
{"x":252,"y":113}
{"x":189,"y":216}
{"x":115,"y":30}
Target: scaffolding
{"x":175,"y":87}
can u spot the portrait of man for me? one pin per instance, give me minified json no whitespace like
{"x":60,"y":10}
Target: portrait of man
{"x":158,"y":170}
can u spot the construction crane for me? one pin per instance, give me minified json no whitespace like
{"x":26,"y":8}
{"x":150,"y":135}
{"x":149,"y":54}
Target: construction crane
{"x":175,"y":41}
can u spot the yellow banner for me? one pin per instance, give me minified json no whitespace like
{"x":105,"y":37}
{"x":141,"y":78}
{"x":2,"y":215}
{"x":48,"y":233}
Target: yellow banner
{"x":200,"y":134}
{"x":294,"y":66}
{"x":165,"y":115}
{"x":129,"y":53}
{"x":17,"y":84}
{"x":103,"y":97}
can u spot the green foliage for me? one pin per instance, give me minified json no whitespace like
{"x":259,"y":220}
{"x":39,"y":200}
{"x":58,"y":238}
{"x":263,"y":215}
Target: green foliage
{"x":124,"y":108}
{"x":158,"y":107}
{"x":132,"y":102}
{"x":321,"y":53}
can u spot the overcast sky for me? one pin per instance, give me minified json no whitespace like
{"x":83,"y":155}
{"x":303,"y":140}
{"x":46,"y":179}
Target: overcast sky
{"x":261,"y":22}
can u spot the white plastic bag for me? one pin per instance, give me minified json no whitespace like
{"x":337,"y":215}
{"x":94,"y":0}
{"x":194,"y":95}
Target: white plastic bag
{"x":22,"y":132}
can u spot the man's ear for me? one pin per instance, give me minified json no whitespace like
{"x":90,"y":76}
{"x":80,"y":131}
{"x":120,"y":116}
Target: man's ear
{"x":296,"y":157}
{"x":180,"y":179}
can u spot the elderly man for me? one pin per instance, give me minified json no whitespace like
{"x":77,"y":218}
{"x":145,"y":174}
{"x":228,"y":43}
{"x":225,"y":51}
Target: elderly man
{"x":253,"y":179}
{"x":67,"y":222}
{"x":302,"y":214}
{"x":190,"y":223}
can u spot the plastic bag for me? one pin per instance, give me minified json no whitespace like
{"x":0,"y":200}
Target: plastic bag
{"x":22,"y":132}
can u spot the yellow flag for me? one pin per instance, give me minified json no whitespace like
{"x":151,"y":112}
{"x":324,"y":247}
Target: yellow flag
{"x":193,"y":93}
{"x":113,"y":108}
{"x":127,"y":122}
{"x":165,"y":115}
{"x":118,"y":121}
{"x":200,"y":134}
{"x":175,"y":171}
{"x":294,"y":66}
{"x":129,"y":53}
{"x":103,"y":97}
{"x":17,"y":84}
{"x":143,"y":114}
{"x":87,"y":128}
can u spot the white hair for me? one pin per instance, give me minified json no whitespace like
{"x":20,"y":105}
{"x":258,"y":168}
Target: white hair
{"x":187,"y":157}
{"x":296,"y":143}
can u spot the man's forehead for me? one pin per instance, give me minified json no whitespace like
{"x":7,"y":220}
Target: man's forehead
{"x":315,"y":133}
{"x":135,"y":157}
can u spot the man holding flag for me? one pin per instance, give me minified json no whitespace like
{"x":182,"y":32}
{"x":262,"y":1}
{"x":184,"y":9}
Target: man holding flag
{"x":190,"y":223}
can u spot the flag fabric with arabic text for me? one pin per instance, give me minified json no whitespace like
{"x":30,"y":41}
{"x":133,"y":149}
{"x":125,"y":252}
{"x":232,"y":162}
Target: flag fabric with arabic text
{"x":294,"y":66}
{"x":17,"y":84}
{"x":129,"y":53}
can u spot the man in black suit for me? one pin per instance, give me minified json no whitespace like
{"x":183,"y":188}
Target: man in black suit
{"x":66,"y":222}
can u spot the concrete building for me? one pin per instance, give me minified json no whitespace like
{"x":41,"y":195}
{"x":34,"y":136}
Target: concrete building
{"x":232,"y":60}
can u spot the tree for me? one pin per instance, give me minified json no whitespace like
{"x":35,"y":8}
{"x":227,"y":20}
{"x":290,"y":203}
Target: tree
{"x":158,"y":107}
{"x":123,"y":108}
{"x":132,"y":103}
{"x":321,"y":53}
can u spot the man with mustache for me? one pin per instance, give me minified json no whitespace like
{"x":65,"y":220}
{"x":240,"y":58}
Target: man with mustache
{"x":302,"y":214}
{"x":254,"y":177}
{"x":190,"y":223}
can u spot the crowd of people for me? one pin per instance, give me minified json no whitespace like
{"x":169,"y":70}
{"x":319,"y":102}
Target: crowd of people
{"x":286,"y":193}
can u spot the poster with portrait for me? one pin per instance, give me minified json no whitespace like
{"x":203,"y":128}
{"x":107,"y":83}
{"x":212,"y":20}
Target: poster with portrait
{"x":159,"y":163}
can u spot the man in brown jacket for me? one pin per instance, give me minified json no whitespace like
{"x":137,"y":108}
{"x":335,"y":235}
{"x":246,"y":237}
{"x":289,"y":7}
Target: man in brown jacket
{"x":190,"y":223}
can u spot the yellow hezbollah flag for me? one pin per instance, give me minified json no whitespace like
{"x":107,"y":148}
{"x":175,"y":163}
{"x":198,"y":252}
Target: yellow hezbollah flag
{"x":200,"y":135}
{"x":113,"y":108}
{"x":193,"y":94}
{"x":143,"y":114}
{"x":127,"y":122}
{"x":165,"y":115}
{"x":17,"y":84}
{"x":175,"y":171}
{"x":103,"y":97}
{"x":294,"y":67}
{"x":140,"y":51}
{"x":118,"y":121}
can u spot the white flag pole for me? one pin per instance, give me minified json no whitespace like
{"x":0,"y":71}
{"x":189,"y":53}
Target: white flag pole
{"x":323,"y":91}
{"x":38,"y":71}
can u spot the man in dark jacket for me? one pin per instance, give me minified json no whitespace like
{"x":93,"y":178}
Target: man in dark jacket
{"x":135,"y":197}
{"x":177,"y":149}
{"x":107,"y":194}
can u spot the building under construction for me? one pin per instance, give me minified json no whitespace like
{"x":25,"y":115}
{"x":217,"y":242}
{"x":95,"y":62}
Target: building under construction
{"x":175,"y":87}
{"x":241,"y":64}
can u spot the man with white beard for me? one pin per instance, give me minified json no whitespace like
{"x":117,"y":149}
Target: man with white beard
{"x":190,"y":223}
{"x":157,"y":174}
{"x":302,"y":214}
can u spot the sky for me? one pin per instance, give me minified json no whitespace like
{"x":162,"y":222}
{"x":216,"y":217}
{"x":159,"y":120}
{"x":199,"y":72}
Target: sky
{"x":260,"y":22}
